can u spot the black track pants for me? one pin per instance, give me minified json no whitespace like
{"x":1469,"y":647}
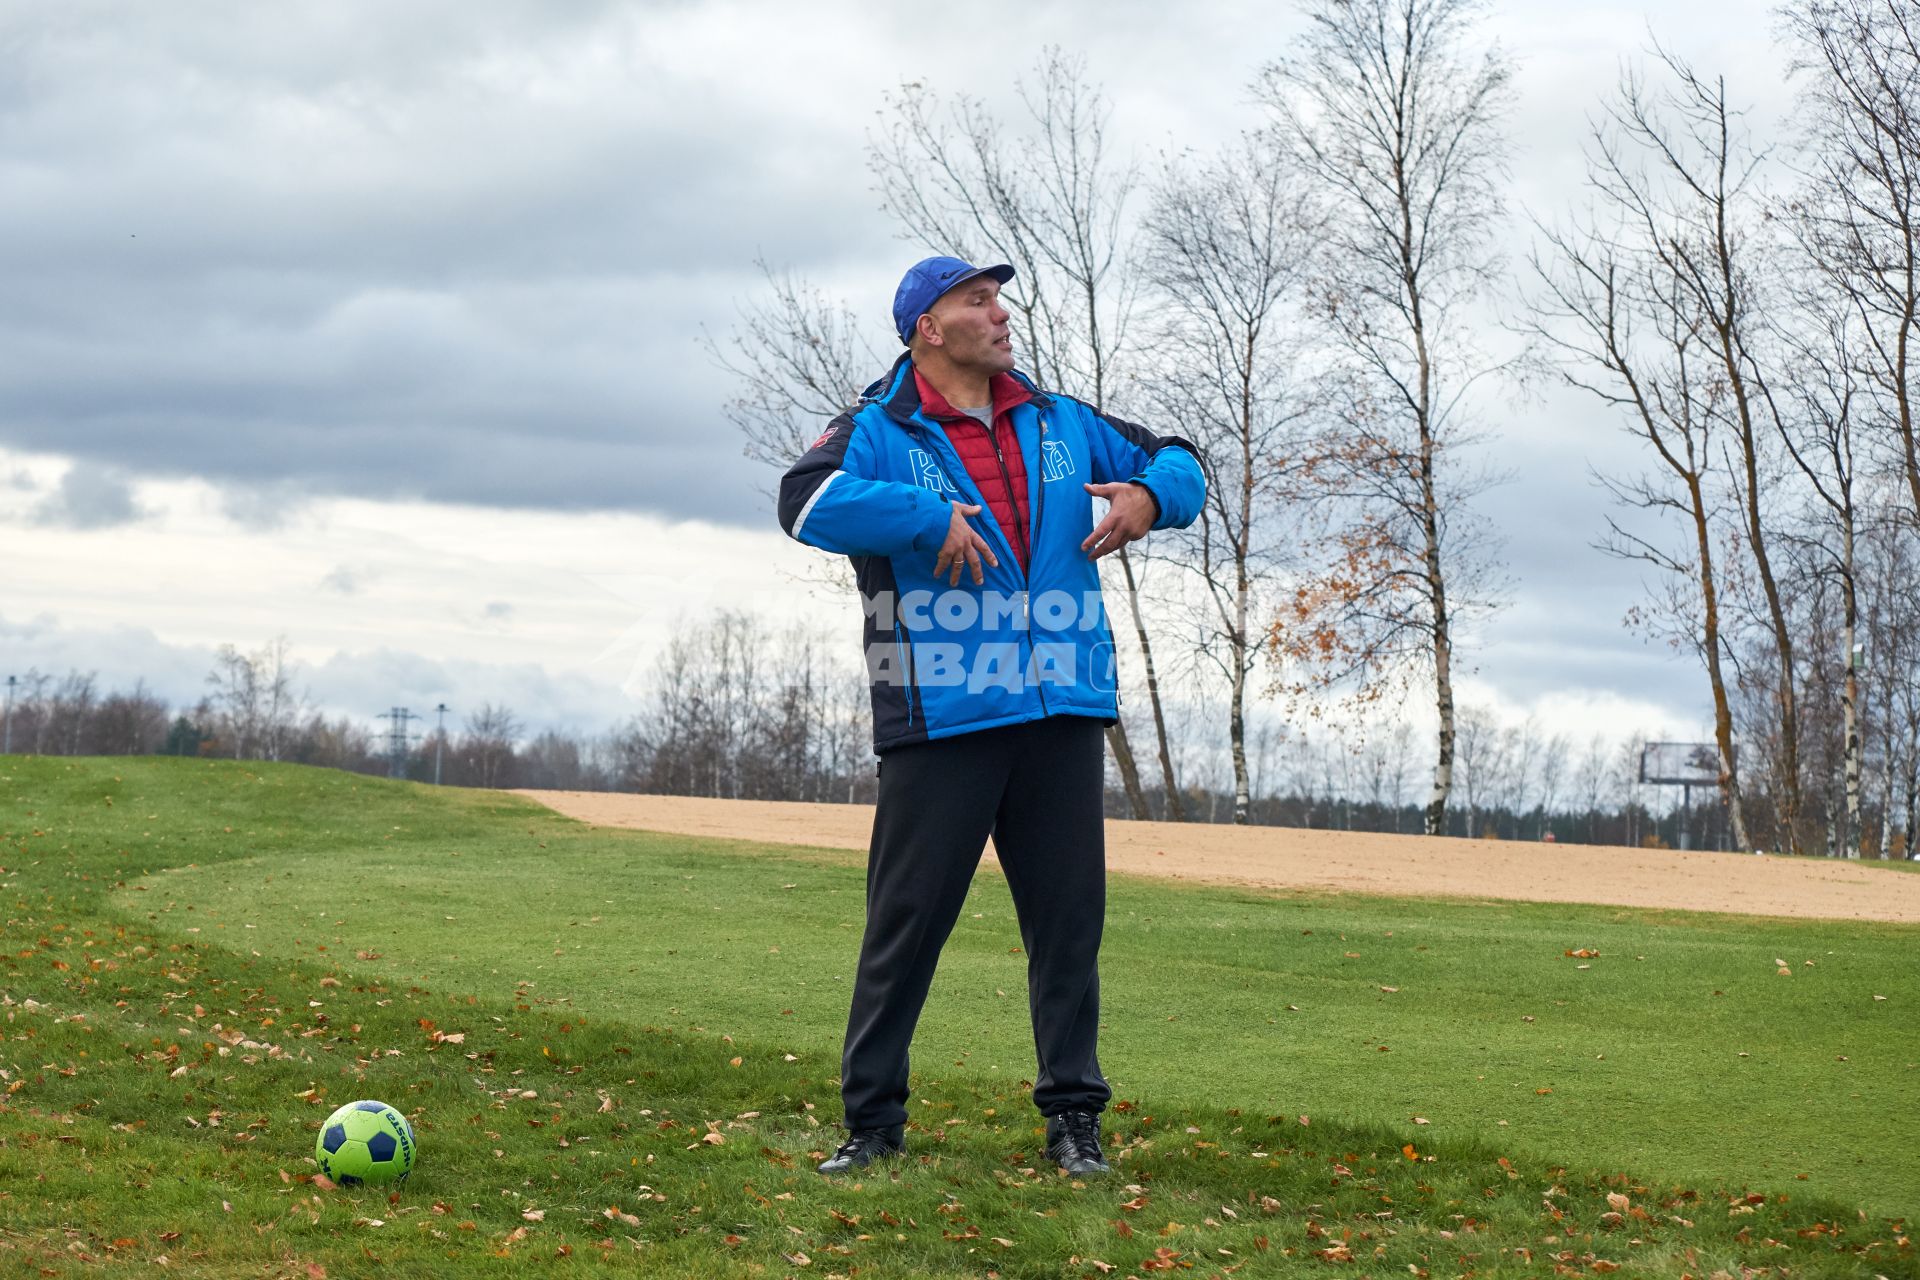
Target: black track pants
{"x":1036,"y":788}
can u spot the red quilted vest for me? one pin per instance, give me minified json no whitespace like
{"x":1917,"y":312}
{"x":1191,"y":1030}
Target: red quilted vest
{"x":1001,"y":478}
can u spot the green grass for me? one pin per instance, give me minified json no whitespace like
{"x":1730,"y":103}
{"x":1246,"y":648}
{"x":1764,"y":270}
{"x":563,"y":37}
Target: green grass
{"x":217,"y":955}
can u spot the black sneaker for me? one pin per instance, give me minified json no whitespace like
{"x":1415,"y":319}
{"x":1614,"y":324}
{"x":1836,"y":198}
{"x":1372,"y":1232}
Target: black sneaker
{"x":863,"y":1147}
{"x":1073,"y":1142}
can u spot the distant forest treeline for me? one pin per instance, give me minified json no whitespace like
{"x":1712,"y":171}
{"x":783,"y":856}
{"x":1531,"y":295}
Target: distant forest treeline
{"x":736,"y":708}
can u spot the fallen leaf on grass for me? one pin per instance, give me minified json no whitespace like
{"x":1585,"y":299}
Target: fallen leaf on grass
{"x":798,"y":1259}
{"x":535,"y":1215}
{"x":323,"y":1182}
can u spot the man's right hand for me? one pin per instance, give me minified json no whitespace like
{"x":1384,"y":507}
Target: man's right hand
{"x":963,"y":548}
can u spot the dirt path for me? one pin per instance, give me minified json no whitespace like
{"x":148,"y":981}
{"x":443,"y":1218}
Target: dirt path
{"x":1280,"y":857}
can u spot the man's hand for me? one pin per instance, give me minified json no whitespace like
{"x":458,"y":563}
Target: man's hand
{"x":963,"y":548}
{"x":1129,"y":518}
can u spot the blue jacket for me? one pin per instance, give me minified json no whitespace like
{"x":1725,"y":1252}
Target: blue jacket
{"x":944,"y":660}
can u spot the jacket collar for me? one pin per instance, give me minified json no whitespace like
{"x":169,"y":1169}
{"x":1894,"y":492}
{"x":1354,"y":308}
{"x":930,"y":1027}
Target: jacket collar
{"x":1004,"y":390}
{"x":898,"y":392}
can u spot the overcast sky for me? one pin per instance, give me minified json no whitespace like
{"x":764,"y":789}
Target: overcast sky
{"x":377,"y":325}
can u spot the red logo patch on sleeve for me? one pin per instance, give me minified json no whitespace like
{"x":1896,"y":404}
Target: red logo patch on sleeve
{"x":824,"y":437}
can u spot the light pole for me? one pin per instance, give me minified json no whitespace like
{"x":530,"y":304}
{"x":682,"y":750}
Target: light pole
{"x":6,"y":746}
{"x":439,"y":741}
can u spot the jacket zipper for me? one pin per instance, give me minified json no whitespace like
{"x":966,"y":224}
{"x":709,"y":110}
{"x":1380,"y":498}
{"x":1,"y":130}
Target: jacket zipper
{"x":1039,"y":506}
{"x":1013,"y":501}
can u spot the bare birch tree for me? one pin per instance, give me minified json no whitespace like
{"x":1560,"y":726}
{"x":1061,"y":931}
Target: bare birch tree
{"x":1893,"y":665}
{"x":488,"y":744}
{"x":1617,"y":319}
{"x":1824,"y":396}
{"x":1396,"y":120}
{"x":799,"y":358}
{"x":1860,"y":208}
{"x":1053,"y":204}
{"x":1698,"y":209}
{"x":1229,"y":246}
{"x":258,"y":704}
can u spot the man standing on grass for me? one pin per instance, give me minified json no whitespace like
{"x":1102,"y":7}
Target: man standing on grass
{"x":964,"y":496}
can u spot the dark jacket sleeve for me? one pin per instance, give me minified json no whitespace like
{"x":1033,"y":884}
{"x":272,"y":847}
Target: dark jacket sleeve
{"x":828,"y":501}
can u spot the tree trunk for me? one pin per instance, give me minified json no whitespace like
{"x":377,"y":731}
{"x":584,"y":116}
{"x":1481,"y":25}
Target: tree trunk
{"x":1129,"y":772}
{"x":1886,"y":811}
{"x":1176,"y":805}
{"x":1442,"y":647}
{"x":1722,"y":714}
{"x":1237,"y":735}
{"x":1850,"y":703}
{"x":1783,"y":648}
{"x":1727,"y":322}
{"x":1913,"y":801}
{"x":1436,"y":583}
{"x":1242,"y":550}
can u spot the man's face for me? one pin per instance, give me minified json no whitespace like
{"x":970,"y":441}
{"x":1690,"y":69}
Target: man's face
{"x":973,"y":326}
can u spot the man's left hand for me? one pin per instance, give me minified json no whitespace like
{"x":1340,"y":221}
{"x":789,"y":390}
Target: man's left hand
{"x":1129,"y":518}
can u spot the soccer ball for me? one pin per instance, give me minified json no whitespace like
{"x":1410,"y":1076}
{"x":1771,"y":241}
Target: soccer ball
{"x":365,"y":1142}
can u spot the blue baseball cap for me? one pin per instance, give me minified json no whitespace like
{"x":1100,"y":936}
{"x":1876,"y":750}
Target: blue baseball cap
{"x":926,"y":280}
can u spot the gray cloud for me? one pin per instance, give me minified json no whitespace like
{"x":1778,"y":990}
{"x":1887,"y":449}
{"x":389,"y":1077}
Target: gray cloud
{"x":467,"y":260}
{"x":463,"y":253}
{"x":89,"y":497}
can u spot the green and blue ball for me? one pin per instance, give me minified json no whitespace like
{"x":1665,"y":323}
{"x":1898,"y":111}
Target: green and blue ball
{"x":365,"y":1142}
